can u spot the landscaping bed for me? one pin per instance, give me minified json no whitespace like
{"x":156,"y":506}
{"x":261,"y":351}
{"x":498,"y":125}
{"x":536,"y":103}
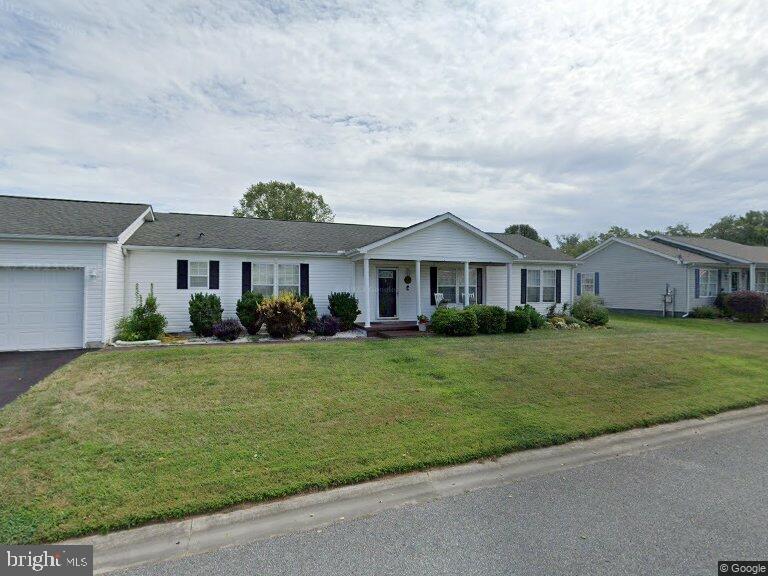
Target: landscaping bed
{"x":116,"y":440}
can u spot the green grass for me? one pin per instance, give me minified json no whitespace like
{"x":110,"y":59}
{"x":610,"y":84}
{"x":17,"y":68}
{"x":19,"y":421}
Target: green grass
{"x":117,"y":439}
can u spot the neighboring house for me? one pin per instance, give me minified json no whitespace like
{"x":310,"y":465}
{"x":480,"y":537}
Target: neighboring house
{"x":669,"y":273}
{"x":69,"y":269}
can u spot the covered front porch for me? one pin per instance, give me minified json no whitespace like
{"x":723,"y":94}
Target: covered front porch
{"x":397,"y":291}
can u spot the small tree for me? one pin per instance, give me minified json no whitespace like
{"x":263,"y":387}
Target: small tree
{"x":144,"y":322}
{"x":248,"y":312}
{"x":284,"y":315}
{"x":283,"y":201}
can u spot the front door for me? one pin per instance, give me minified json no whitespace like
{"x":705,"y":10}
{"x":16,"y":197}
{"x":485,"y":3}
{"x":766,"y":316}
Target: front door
{"x":734,"y":281}
{"x":387,"y":293}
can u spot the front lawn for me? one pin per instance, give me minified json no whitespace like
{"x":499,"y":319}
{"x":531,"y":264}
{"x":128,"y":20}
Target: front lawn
{"x":116,"y":439}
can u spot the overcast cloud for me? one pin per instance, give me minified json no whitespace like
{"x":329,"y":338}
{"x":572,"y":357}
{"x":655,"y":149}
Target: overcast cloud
{"x":571,"y":116}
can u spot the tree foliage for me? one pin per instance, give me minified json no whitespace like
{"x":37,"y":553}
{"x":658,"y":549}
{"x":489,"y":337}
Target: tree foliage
{"x":752,"y":228}
{"x":283,"y":201}
{"x":528,"y":231}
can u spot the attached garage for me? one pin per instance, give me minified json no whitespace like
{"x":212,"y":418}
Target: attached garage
{"x":41,"y":308}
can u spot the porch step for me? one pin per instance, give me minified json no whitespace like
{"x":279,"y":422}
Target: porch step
{"x":377,"y":328}
{"x":402,"y":334}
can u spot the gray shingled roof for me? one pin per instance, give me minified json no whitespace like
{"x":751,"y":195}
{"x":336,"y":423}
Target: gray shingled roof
{"x":533,"y":250}
{"x":209,"y":231}
{"x":687,"y":257}
{"x":757,"y":254}
{"x":74,"y":218}
{"x":230,"y":232}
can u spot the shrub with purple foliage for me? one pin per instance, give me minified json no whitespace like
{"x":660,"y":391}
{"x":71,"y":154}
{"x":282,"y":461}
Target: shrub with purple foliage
{"x":326,"y":325}
{"x":228,"y":330}
{"x":747,"y":306}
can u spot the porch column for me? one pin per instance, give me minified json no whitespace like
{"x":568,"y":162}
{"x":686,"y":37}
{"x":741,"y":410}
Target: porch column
{"x":367,"y":290}
{"x":752,"y":276}
{"x":509,"y":286}
{"x":418,"y":288}
{"x":466,"y":283}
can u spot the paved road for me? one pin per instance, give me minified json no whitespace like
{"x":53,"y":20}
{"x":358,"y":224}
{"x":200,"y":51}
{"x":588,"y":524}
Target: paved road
{"x":674,"y":510}
{"x":21,"y":370}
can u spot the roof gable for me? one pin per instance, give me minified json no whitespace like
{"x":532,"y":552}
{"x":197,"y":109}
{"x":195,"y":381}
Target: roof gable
{"x":446,"y":217}
{"x":652,"y":247}
{"x":721,"y":249}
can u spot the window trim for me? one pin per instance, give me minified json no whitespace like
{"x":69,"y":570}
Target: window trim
{"x":297,"y":265}
{"x":274,"y":266}
{"x":540,"y":270}
{"x":591,"y":277}
{"x":712,"y":282}
{"x":458,"y":285}
{"x":207,"y":274}
{"x":761,"y":286}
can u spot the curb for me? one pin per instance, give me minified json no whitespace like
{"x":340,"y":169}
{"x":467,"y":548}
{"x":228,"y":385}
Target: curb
{"x":198,"y":534}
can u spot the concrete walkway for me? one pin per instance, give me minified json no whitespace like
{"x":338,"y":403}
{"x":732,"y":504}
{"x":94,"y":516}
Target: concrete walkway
{"x":195,"y":535}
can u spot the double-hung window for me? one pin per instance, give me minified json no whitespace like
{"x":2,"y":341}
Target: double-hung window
{"x":761,"y":281}
{"x":198,"y":274}
{"x":707,"y":283}
{"x":263,"y":278}
{"x":446,"y":285}
{"x":548,"y":285}
{"x":533,"y":289}
{"x":587,"y":283}
{"x":288,"y":278}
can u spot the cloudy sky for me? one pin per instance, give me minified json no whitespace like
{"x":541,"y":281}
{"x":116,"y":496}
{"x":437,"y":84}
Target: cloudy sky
{"x":568,"y":115}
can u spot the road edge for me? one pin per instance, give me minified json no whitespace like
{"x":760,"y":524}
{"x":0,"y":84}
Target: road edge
{"x":205,"y":533}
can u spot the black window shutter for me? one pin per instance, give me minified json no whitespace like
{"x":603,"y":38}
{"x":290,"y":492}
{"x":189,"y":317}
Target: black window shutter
{"x":432,"y":284}
{"x":558,"y":286}
{"x":304,"y":279}
{"x":246,"y":277}
{"x":182,"y":274}
{"x":523,"y":285}
{"x":213,"y":274}
{"x":479,"y":285}
{"x":597,"y":283}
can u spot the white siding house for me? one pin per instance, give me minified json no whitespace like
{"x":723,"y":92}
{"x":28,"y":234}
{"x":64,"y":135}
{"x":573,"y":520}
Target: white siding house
{"x":69,"y":270}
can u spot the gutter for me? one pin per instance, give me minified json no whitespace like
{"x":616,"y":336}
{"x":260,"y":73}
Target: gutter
{"x":230,"y":250}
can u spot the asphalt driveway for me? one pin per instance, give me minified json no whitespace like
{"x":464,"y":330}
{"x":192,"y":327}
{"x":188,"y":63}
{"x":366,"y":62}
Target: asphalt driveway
{"x":19,"y":371}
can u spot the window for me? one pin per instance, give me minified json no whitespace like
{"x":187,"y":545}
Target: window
{"x":549,"y":285}
{"x":472,"y":287}
{"x":446,"y":285}
{"x":587,"y":283}
{"x":707,"y":283}
{"x":761,"y":281}
{"x":533,"y":291}
{"x":289,"y":278}
{"x":198,"y":275}
{"x":263,"y":279}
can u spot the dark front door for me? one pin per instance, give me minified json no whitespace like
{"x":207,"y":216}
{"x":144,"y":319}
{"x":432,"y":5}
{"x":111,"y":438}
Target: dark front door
{"x":387,"y":293}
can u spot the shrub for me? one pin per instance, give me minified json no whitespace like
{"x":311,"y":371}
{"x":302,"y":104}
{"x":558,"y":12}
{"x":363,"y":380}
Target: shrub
{"x":144,"y":322}
{"x":536,"y":320}
{"x":518,"y":321}
{"x":343,"y":306}
{"x":284,"y":315}
{"x":310,"y":313}
{"x":454,"y":322}
{"x":747,"y":306}
{"x":326,"y":325}
{"x":248,"y":312}
{"x":228,"y":330}
{"x":204,"y":311}
{"x":721,"y":303}
{"x":490,"y":319}
{"x":590,"y":309}
{"x":704,"y":312}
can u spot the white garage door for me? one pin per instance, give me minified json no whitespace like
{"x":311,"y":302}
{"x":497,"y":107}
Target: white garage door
{"x":41,"y":309}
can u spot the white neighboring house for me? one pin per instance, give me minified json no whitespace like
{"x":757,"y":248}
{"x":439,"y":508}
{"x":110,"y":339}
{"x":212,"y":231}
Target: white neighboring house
{"x":69,"y":269}
{"x":635,"y":274}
